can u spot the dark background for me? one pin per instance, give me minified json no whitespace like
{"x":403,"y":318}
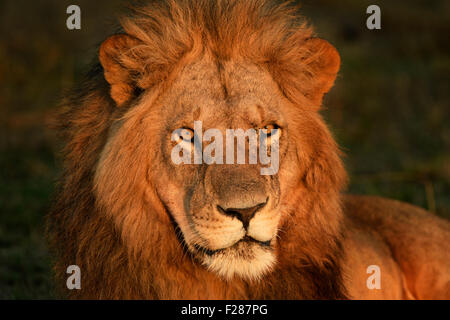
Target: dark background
{"x":389,"y":110}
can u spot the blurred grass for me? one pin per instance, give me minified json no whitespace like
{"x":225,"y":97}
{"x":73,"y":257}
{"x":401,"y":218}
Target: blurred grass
{"x":389,"y":110}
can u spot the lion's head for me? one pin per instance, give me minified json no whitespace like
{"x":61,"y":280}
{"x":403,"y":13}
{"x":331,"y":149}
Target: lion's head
{"x":231,"y":65}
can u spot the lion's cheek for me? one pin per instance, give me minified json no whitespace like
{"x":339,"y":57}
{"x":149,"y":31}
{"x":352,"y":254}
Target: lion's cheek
{"x":264,"y":228}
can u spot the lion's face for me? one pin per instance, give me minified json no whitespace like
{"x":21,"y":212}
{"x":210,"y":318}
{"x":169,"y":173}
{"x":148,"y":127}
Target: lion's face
{"x":229,"y":217}
{"x":227,"y":214}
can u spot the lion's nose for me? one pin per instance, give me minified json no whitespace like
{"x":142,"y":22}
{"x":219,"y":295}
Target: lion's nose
{"x":243,"y":214}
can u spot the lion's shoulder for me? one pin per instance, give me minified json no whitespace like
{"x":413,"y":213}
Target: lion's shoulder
{"x":417,"y":240}
{"x":379,"y":210}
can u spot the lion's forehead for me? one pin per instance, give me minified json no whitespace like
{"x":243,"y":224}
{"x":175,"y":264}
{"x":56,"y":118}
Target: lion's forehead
{"x":223,"y":88}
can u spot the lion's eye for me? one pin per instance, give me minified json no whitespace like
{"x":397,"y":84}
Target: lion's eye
{"x":272,"y":131}
{"x":185,"y":135}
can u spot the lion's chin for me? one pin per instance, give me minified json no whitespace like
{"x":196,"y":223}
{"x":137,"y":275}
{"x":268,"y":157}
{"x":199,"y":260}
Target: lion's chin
{"x":249,"y":261}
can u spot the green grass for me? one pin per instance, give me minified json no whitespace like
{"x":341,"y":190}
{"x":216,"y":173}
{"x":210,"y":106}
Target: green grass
{"x":389,"y":110}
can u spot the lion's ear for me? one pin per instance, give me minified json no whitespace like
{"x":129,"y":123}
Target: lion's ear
{"x":115,"y":55}
{"x":323,"y":62}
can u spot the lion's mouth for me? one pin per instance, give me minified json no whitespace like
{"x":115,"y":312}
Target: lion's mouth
{"x":246,"y":239}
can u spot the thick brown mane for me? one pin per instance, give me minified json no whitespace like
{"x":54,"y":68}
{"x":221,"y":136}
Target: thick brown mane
{"x":268,"y":33}
{"x":141,"y":257}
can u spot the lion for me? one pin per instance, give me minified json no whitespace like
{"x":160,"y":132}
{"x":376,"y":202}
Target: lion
{"x":140,"y":226}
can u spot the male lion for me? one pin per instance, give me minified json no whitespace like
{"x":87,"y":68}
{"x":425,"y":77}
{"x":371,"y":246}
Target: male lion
{"x":140,"y":226}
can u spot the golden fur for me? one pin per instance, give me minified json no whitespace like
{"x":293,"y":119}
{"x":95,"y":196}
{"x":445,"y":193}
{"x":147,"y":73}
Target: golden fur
{"x":134,"y":222}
